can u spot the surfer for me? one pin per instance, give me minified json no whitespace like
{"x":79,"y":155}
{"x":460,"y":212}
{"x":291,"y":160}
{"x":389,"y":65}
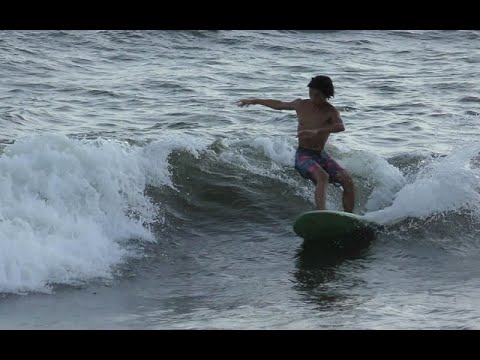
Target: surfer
{"x":317,"y":119}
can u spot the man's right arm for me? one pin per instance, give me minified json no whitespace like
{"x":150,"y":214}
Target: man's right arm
{"x":273,"y":104}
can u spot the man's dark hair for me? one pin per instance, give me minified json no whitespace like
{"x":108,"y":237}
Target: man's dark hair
{"x":324,"y":84}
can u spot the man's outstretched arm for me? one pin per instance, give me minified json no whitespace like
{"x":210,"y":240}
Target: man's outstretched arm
{"x":273,"y":104}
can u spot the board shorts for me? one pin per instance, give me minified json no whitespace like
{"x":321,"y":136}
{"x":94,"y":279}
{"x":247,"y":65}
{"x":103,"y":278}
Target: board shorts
{"x":307,"y":160}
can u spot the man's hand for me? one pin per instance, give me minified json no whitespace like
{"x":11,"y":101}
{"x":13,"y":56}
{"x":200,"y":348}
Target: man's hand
{"x":246,"y":102}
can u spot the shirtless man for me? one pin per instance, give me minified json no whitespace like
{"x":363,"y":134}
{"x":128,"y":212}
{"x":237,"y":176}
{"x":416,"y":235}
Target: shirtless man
{"x":317,"y":119}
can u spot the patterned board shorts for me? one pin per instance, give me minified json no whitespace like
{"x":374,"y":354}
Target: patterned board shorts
{"x":307,"y":160}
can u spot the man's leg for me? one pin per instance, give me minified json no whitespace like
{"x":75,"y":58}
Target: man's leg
{"x":321,"y":179}
{"x":346,"y":181}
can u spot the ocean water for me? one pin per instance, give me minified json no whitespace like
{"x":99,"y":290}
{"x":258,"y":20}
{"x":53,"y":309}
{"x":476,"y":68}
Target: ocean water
{"x":135,"y":194}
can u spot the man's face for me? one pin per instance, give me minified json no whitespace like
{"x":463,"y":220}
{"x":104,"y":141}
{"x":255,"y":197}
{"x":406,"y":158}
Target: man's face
{"x":316,"y":96}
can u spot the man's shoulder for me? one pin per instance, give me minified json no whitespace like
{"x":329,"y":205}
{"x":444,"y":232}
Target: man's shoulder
{"x":331,"y":108}
{"x":300,"y":101}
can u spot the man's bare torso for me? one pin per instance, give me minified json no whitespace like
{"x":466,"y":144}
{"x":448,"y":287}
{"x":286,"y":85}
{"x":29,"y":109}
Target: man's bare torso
{"x":311,"y":116}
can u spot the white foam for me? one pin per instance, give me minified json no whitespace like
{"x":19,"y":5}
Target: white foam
{"x":446,"y":184}
{"x":278,"y":151}
{"x":67,"y":206}
{"x":386,"y":179}
{"x":281,"y":150}
{"x":156,"y":155}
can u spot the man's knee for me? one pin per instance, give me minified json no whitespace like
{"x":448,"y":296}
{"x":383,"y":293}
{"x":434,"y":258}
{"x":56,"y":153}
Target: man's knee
{"x":321,"y":177}
{"x":345,"y":179}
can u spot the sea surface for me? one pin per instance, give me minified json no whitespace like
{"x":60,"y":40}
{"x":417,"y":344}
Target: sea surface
{"x":136,"y":194}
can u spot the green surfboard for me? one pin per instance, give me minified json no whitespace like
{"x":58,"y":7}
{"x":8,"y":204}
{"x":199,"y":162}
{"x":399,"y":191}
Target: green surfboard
{"x":330,"y":225}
